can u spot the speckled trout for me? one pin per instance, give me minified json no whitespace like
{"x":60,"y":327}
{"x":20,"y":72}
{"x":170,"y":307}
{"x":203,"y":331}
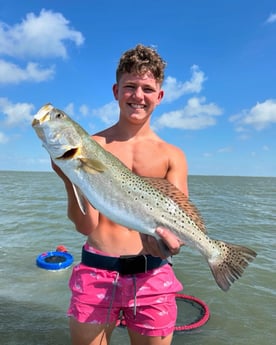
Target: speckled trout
{"x":136,"y":202}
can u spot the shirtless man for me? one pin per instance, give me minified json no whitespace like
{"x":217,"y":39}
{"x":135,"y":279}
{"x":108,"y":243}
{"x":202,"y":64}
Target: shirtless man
{"x":98,"y":293}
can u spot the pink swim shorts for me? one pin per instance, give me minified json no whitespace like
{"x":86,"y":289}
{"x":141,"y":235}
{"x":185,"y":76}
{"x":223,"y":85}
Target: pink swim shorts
{"x":147,"y":300}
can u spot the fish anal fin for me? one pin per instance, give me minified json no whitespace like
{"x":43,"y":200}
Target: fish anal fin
{"x":92,"y":166}
{"x":168,"y":189}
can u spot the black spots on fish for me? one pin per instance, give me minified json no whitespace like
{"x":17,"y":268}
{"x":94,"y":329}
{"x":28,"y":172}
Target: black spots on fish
{"x":167,"y":190}
{"x":149,"y":206}
{"x":186,"y":221}
{"x":230,"y":264}
{"x":223,"y":266}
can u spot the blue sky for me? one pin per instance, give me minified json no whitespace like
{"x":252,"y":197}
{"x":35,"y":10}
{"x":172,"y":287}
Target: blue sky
{"x":220,"y":93}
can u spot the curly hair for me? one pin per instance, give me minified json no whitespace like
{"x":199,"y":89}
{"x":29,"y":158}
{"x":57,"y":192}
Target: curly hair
{"x":140,"y":60}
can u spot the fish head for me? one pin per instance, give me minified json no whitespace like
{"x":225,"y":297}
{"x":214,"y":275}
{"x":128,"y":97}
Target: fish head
{"x":57,"y":131}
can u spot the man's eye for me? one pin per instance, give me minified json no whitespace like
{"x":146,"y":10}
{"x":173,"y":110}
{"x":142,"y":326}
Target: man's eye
{"x":148,"y":90}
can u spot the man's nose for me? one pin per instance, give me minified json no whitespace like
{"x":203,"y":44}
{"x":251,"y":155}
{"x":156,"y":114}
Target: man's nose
{"x":138,"y":93}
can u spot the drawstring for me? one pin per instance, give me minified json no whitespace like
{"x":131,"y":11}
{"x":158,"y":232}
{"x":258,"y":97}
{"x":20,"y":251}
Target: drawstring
{"x":115,"y":283}
{"x":135,"y":297}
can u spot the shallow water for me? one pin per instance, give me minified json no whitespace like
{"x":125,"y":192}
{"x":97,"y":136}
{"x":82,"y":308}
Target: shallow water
{"x":33,"y":301}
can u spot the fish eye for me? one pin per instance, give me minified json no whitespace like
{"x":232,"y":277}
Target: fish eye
{"x":59,"y":116}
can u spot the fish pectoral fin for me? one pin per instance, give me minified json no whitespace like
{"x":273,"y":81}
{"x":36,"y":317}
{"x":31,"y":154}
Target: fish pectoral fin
{"x":80,"y":198}
{"x":92,"y":166}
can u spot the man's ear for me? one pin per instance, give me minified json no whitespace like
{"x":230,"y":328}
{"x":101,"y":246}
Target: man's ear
{"x":160,"y":96}
{"x":115,"y":91}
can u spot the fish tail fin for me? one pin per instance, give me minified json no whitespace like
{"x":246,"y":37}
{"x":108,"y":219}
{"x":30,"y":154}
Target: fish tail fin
{"x":230,"y":263}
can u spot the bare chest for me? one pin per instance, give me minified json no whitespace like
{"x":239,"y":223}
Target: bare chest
{"x":143,"y":159}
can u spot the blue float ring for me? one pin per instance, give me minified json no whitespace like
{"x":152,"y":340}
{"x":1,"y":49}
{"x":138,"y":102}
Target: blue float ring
{"x":54,"y":261}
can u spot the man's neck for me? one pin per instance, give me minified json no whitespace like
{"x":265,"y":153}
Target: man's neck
{"x":131,"y":131}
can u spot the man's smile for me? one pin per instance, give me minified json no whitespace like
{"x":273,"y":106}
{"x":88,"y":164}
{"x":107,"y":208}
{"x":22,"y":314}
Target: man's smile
{"x":137,"y":106}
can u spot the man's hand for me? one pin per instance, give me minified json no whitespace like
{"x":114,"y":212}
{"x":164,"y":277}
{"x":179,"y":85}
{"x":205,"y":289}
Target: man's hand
{"x":171,"y":244}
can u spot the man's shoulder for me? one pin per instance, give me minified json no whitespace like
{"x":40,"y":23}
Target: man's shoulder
{"x":174,"y":154}
{"x":168,"y":147}
{"x":103,"y":136}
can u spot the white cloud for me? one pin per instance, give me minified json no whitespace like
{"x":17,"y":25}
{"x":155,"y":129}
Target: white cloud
{"x":175,"y":89}
{"x":81,"y":112}
{"x":84,"y":110}
{"x":259,"y":117}
{"x":70,"y":109}
{"x":225,"y":149}
{"x":107,"y":113}
{"x":195,"y":115}
{"x":16,"y":114}
{"x":3,"y":138}
{"x":38,"y":36}
{"x":271,"y":18}
{"x":13,"y":74}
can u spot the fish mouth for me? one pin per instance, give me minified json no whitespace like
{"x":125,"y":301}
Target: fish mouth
{"x":69,"y":154}
{"x":35,"y":122}
{"x":42,"y":115}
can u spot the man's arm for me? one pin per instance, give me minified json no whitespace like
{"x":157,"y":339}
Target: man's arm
{"x":178,"y":175}
{"x":83,"y":223}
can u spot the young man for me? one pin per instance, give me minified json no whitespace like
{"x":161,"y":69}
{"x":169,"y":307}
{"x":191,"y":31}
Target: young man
{"x":99,"y":293}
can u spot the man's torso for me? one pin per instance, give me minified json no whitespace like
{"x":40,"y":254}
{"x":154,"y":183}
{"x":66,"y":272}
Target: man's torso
{"x":146,"y":157}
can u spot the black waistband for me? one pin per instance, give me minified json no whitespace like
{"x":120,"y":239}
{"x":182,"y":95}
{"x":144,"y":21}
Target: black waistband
{"x":124,"y":264}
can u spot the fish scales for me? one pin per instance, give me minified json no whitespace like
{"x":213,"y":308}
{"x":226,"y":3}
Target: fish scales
{"x":138,"y":203}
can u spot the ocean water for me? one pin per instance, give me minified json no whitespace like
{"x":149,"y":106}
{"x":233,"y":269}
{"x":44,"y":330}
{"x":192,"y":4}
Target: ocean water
{"x":33,"y":301}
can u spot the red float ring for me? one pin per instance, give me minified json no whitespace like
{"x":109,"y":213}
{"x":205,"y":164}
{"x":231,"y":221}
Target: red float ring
{"x":204,"y":314}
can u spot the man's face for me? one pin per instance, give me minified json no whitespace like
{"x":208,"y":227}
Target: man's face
{"x":138,"y":95}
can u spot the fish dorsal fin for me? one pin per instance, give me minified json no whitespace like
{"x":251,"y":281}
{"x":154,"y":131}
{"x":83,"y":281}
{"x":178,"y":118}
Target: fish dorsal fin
{"x":92,"y":166}
{"x":168,"y":189}
{"x":80,"y":198}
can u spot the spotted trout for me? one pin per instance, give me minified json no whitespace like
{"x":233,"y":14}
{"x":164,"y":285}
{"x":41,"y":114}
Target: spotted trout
{"x":136,"y":202}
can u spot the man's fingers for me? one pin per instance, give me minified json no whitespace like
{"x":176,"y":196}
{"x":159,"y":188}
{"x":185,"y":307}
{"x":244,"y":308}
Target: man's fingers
{"x":172,"y":241}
